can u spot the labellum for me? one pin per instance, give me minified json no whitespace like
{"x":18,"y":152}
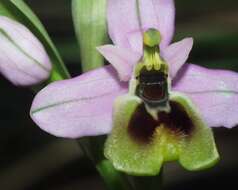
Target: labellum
{"x":153,"y":125}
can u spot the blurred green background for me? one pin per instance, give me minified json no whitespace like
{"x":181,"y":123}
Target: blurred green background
{"x":30,"y":159}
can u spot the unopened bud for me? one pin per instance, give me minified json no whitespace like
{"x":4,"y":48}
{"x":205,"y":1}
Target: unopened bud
{"x":23,"y":59}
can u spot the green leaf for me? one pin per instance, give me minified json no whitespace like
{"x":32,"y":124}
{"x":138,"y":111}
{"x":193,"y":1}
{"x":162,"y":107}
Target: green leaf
{"x":91,"y":30}
{"x":192,"y":144}
{"x":18,"y":10}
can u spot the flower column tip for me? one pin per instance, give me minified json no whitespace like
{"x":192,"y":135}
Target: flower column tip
{"x":151,"y":37}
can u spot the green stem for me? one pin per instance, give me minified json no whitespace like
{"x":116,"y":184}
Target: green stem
{"x":148,"y":183}
{"x":93,"y":149}
{"x":113,"y":179}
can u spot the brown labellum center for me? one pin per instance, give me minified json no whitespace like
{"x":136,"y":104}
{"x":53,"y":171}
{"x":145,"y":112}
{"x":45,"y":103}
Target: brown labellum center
{"x":142,"y":125}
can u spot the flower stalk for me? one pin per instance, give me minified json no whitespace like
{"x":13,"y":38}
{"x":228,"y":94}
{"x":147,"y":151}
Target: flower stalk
{"x":93,"y":149}
{"x":148,"y":183}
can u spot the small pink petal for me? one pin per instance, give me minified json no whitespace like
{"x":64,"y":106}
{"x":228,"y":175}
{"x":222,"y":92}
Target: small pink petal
{"x":122,"y":19}
{"x":214,"y":92}
{"x":122,"y":59}
{"x":23,"y":59}
{"x":158,"y":14}
{"x":177,"y":54}
{"x":78,"y":107}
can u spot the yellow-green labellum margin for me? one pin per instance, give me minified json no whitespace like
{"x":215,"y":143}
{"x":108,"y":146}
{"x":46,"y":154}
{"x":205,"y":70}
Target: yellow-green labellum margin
{"x":131,"y":151}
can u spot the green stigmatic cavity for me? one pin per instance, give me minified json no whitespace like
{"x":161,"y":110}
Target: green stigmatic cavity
{"x":153,"y":125}
{"x":152,"y":87}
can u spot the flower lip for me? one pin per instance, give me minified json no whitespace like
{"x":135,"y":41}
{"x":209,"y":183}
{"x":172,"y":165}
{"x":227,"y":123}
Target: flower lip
{"x":177,"y":120}
{"x":142,"y":125}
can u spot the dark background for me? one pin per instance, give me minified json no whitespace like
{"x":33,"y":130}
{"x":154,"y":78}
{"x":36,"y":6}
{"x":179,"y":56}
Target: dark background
{"x":30,"y":159}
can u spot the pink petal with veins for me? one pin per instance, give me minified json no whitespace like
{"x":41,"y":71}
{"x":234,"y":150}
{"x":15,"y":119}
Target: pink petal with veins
{"x":214,"y":92}
{"x":78,"y":107}
{"x":122,"y":19}
{"x":158,"y":14}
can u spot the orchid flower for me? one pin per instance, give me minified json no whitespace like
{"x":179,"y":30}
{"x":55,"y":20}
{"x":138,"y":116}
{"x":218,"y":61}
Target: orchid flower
{"x":154,"y":107}
{"x":23,"y":59}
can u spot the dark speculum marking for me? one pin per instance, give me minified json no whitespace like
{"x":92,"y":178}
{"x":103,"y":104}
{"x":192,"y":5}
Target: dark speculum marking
{"x":142,"y":125}
{"x":152,"y":87}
